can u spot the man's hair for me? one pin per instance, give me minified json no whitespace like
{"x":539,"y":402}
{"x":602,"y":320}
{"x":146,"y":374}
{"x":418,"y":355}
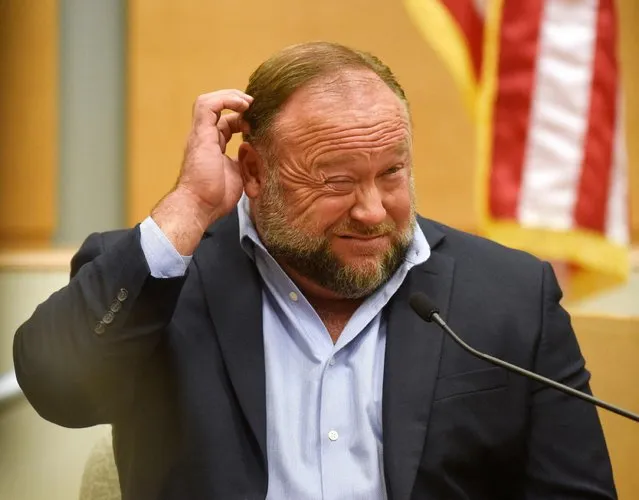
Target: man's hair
{"x":277,"y":78}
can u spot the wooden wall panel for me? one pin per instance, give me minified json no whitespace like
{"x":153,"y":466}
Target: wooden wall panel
{"x":178,"y":50}
{"x":629,"y":19}
{"x":28,"y":121}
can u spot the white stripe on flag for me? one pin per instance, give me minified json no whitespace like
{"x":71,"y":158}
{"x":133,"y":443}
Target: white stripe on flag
{"x":617,"y":229}
{"x":559,"y":114}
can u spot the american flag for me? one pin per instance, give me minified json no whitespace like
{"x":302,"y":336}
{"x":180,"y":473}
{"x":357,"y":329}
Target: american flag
{"x":542,"y":81}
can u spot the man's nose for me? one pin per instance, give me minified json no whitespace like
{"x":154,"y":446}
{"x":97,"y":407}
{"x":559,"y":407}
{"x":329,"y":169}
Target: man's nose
{"x":369,"y":209}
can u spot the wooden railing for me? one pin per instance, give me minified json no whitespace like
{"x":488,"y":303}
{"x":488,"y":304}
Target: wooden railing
{"x":611,"y":348}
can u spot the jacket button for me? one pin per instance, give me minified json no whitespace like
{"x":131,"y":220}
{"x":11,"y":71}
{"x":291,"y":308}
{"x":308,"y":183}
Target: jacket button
{"x":123,"y":294}
{"x":116,"y":306}
{"x":108,"y":318}
{"x":99,"y":328}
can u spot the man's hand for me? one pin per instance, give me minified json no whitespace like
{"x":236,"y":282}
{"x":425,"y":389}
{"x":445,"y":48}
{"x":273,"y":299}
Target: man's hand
{"x":210,"y":183}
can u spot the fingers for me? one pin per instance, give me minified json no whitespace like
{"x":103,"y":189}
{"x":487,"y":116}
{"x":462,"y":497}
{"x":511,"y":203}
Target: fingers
{"x":208,"y":109}
{"x":210,"y":106}
{"x":230,"y":124}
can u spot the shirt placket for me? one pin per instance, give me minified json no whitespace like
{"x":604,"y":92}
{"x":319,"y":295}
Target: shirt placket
{"x":334,"y":428}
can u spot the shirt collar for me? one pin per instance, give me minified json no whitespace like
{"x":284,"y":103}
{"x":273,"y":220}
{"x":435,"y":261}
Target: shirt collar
{"x":418,"y":252}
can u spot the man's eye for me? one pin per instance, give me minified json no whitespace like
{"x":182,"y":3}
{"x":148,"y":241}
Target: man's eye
{"x":339,"y":183}
{"x":393,"y":170}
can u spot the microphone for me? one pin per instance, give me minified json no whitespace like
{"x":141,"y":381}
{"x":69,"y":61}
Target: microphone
{"x":425,"y":309}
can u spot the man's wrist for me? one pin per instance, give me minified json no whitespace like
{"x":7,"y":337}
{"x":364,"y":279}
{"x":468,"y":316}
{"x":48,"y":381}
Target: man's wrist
{"x":183,"y":219}
{"x":162,"y":258}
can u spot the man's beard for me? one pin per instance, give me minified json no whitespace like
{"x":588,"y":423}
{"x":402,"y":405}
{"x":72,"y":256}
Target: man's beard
{"x":312,"y":256}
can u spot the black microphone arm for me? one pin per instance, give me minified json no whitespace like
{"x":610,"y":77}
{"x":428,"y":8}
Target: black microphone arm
{"x":426,"y":310}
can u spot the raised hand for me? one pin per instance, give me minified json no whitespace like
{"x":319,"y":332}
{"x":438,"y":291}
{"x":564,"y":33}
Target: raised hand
{"x":210,"y":183}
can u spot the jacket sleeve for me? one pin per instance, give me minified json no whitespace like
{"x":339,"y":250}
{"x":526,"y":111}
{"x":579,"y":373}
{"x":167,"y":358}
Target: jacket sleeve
{"x":567,"y":454}
{"x":77,"y":357}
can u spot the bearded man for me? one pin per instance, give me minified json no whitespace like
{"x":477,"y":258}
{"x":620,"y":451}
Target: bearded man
{"x":252,"y":338}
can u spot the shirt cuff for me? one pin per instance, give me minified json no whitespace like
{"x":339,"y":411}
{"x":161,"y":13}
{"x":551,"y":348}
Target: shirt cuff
{"x":163,"y":259}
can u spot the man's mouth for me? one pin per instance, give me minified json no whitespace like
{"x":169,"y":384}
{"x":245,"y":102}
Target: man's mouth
{"x":361,"y":236}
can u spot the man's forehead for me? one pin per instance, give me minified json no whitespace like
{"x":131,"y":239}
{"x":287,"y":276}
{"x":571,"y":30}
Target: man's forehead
{"x":354,"y":93}
{"x":397,"y":149}
{"x":340,"y":158}
{"x":332,"y":116}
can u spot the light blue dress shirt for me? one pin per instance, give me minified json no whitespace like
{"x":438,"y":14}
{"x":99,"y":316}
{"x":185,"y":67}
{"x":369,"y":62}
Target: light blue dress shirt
{"x":323,"y":400}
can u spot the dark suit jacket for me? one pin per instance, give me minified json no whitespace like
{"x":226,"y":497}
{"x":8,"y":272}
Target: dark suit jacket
{"x":179,"y":372}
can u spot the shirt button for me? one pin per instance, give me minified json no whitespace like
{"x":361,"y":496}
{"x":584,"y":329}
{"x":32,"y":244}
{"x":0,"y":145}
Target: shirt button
{"x":293,"y":296}
{"x":122,"y":294}
{"x":108,"y":318}
{"x":331,"y":361}
{"x":99,"y":328}
{"x":333,"y":435}
{"x":116,"y":306}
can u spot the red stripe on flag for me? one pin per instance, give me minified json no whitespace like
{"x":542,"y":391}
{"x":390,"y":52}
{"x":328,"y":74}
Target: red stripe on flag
{"x":596,"y":169}
{"x":472,"y":26}
{"x":518,"y":54}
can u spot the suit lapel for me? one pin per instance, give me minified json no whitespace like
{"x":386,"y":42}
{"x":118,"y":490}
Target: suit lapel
{"x":413,"y":350}
{"x":234,"y":295}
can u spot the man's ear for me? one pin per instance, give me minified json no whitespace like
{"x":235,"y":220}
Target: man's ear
{"x":252,"y":169}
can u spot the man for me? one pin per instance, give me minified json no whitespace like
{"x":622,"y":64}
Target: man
{"x":252,"y":338}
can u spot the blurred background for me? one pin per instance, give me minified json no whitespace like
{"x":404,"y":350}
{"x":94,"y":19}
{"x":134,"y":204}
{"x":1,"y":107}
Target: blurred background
{"x":95,"y":104}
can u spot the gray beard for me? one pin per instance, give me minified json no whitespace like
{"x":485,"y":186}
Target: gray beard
{"x":323,"y":267}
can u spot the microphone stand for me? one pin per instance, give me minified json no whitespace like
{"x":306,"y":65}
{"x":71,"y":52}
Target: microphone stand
{"x":422,"y":305}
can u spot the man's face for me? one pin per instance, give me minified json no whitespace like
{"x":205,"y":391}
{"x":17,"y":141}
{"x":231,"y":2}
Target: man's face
{"x":337,"y":204}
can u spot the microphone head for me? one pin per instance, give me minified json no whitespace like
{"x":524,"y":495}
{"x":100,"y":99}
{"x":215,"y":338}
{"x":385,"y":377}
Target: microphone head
{"x":423,"y":306}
